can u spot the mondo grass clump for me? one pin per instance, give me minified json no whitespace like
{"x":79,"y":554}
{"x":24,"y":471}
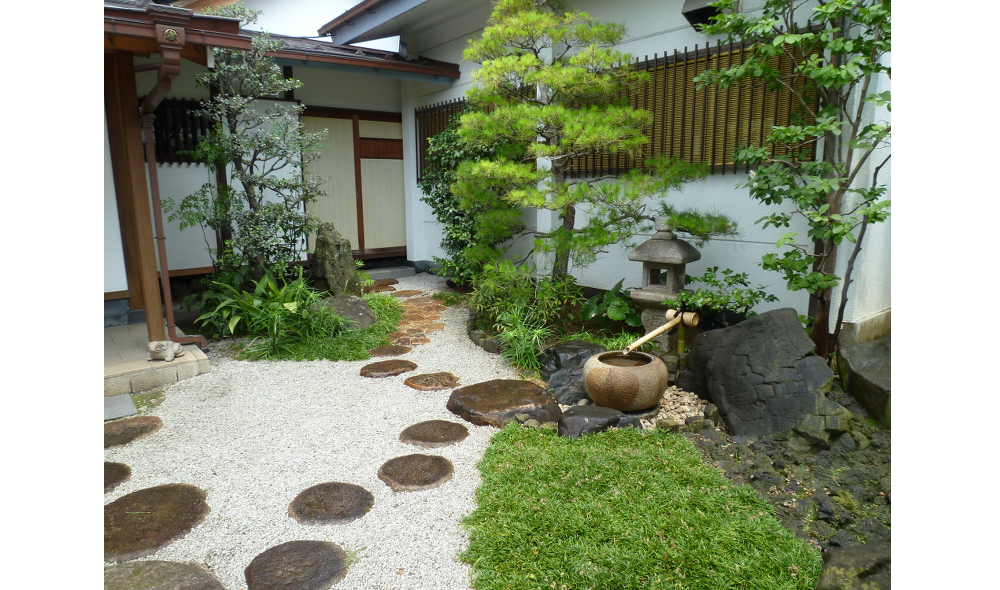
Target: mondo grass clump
{"x":623,"y":509}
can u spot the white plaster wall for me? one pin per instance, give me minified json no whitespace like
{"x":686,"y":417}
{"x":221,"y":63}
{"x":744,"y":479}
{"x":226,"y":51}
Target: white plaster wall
{"x":347,"y":90}
{"x":114,"y":256}
{"x":186,"y":248}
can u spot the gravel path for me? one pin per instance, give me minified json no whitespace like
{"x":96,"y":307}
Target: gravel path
{"x":254,"y":435}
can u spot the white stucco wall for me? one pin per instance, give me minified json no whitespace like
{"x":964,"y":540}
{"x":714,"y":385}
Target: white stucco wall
{"x":347,"y":90}
{"x":114,"y":257}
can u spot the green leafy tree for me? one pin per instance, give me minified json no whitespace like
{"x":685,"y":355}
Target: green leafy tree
{"x":838,"y":61}
{"x":476,"y":224}
{"x":551,"y":81}
{"x":260,"y":211}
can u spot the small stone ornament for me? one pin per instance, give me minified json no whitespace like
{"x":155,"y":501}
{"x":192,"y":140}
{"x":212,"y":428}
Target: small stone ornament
{"x":164,"y":350}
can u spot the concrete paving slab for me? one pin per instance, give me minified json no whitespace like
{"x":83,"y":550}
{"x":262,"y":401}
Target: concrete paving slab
{"x":119,"y":406}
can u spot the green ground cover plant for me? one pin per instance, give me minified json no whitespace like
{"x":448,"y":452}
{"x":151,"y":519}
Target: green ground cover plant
{"x":623,"y":509}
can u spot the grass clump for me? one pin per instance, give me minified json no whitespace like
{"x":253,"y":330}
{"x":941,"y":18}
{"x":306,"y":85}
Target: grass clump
{"x":345,"y":345}
{"x":449,"y":298}
{"x":623,"y":509}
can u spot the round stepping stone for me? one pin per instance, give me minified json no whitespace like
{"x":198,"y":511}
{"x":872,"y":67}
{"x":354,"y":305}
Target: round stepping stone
{"x":412,"y":473}
{"x":388,"y":368}
{"x":331,"y":503}
{"x":297,"y":565}
{"x":389,"y":350}
{"x":432,"y":381}
{"x":406,"y":293}
{"x":114,"y":474}
{"x":497,"y":402}
{"x":434,"y":433}
{"x":140,"y":523}
{"x":121,"y":432}
{"x":386,"y":282}
{"x":159,"y":575}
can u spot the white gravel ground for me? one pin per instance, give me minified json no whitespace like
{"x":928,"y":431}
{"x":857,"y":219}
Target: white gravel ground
{"x":254,"y":435}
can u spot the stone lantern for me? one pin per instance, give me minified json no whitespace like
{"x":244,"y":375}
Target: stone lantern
{"x":663,"y":259}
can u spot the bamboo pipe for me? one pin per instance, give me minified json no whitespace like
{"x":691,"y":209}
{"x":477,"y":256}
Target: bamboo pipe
{"x":673,"y":317}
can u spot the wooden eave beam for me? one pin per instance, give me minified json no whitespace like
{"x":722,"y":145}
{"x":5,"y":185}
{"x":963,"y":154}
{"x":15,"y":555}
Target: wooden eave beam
{"x":307,"y":58}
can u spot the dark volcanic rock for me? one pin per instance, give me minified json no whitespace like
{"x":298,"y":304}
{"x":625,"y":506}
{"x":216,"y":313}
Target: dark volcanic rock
{"x":121,"y":432}
{"x":140,"y":523}
{"x":580,"y":420}
{"x":331,"y":503}
{"x":497,"y":402}
{"x":764,"y":378}
{"x":866,"y":373}
{"x":297,"y":565}
{"x":114,"y":474}
{"x":412,"y":473}
{"x":562,"y":369}
{"x":434,"y":433}
{"x":159,"y":575}
{"x":388,"y":368}
{"x":432,"y":381}
{"x":863,"y":567}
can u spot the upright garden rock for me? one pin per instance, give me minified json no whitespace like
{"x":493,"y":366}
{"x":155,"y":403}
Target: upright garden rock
{"x":333,"y":266}
{"x":866,"y":373}
{"x":562,"y":369}
{"x":765,"y":378}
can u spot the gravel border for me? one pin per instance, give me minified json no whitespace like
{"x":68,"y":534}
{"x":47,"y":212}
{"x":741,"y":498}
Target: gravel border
{"x":255,"y":434}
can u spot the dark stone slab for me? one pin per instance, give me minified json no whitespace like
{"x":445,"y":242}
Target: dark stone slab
{"x":140,"y":523}
{"x":865,"y":566}
{"x":764,"y":377}
{"x":122,"y":432}
{"x":411,"y":473}
{"x":432,"y":381}
{"x":389,"y":350}
{"x":331,"y":503}
{"x":114,"y":474}
{"x":580,"y":420}
{"x":562,"y":369}
{"x":866,"y":373}
{"x":159,"y":575}
{"x":497,"y":402}
{"x":353,"y":308}
{"x":434,"y":433}
{"x":388,"y":368}
{"x":297,"y":565}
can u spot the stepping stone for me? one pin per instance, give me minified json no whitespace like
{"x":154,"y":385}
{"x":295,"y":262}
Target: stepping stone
{"x":434,"y":433}
{"x":331,"y":503}
{"x":388,"y":368}
{"x":412,"y":473}
{"x":121,"y":432}
{"x":383,"y":282}
{"x":389,"y":350}
{"x":114,"y":474}
{"x":159,"y":575}
{"x":406,"y":293}
{"x":377,"y":288}
{"x":297,"y":565}
{"x":432,"y":381}
{"x":497,"y":402}
{"x":141,"y":523}
{"x":119,"y":406}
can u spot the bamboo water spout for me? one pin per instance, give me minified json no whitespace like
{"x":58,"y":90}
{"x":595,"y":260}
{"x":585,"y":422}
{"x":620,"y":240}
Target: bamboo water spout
{"x":673,"y":318}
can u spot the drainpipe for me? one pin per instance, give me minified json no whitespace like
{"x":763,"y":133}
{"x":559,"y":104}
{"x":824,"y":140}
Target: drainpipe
{"x":170,"y":39}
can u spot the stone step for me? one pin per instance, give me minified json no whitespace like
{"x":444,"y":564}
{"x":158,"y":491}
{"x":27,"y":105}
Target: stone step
{"x":391,"y":272}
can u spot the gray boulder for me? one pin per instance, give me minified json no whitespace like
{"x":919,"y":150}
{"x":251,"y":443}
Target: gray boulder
{"x":765,"y":378}
{"x":562,"y":369}
{"x":866,"y":373}
{"x":333,"y":266}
